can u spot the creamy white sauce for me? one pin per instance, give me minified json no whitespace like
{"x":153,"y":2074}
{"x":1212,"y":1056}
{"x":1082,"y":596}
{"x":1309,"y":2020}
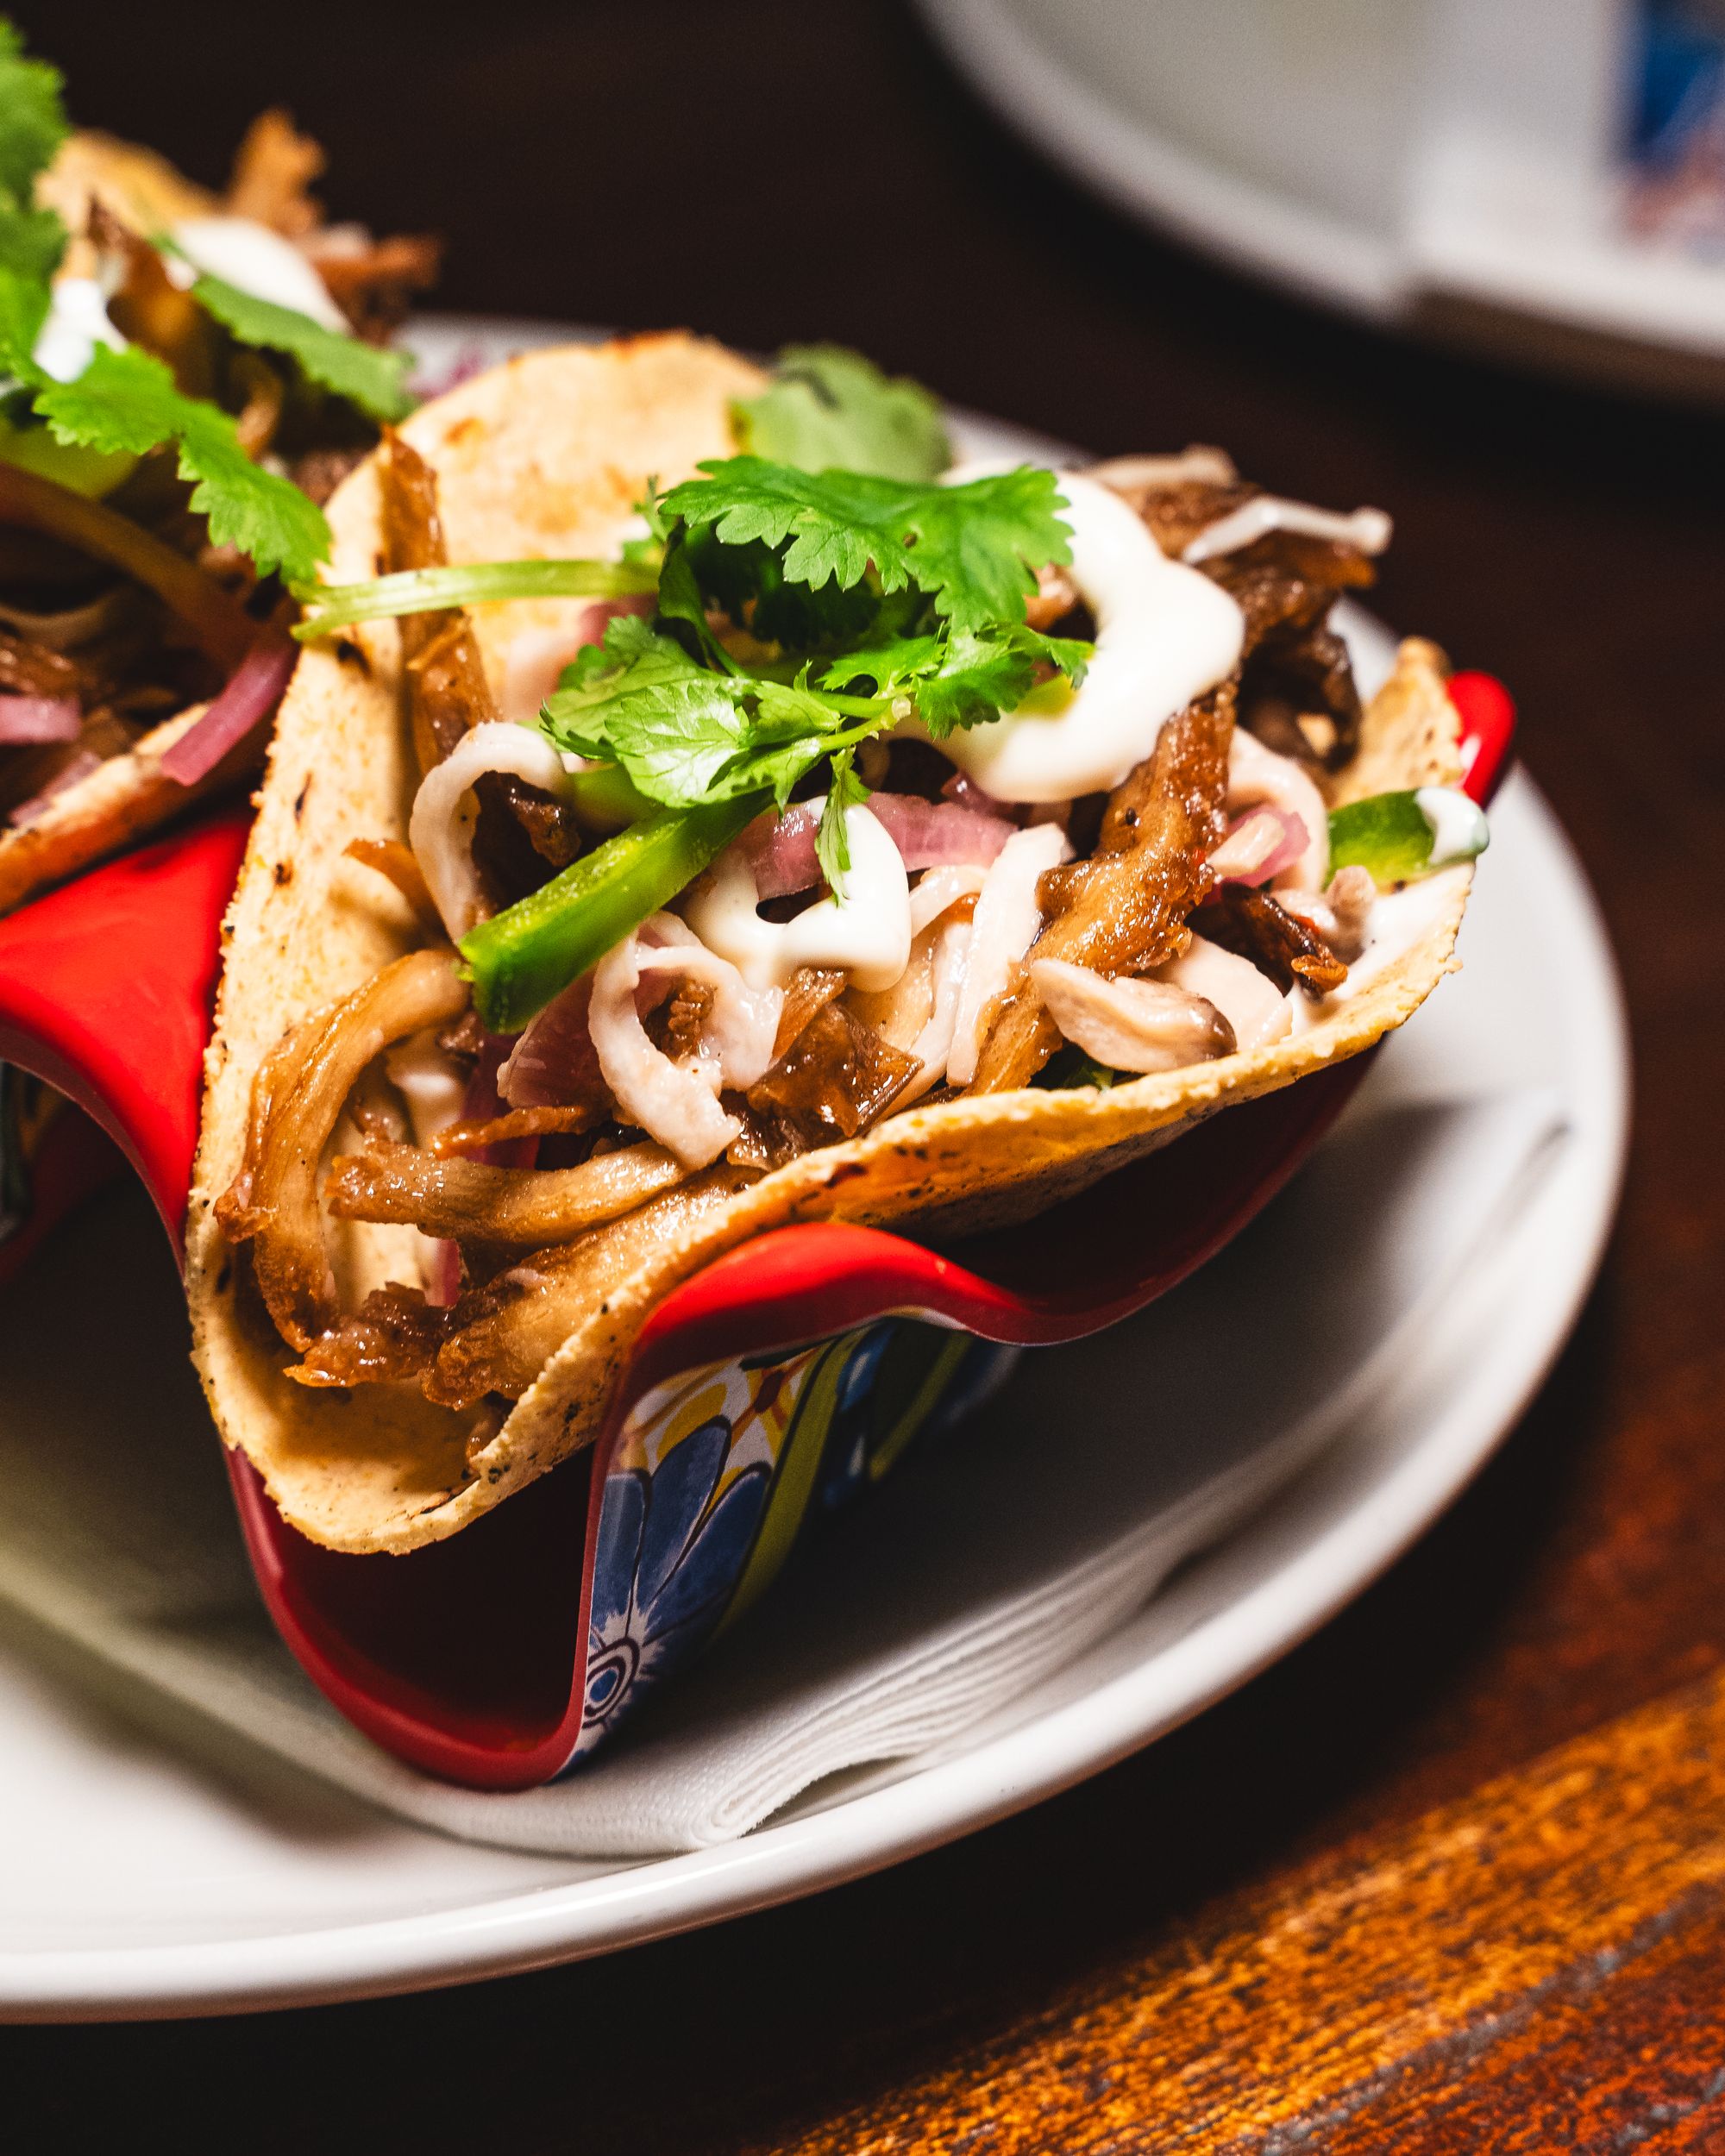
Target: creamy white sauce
{"x":1003,"y":928}
{"x":242,"y":252}
{"x":440,"y":828}
{"x":77,"y":321}
{"x":868,"y":936}
{"x":1213,"y":466}
{"x":1164,"y":634}
{"x":1458,"y":827}
{"x":1369,"y":529}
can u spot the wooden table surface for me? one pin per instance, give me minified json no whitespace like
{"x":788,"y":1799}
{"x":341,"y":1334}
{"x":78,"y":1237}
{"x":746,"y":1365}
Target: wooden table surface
{"x":1451,"y":1876}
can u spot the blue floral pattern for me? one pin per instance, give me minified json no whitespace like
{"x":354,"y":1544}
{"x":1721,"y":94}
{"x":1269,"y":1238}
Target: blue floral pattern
{"x":714,"y":1479}
{"x":669,"y":1553}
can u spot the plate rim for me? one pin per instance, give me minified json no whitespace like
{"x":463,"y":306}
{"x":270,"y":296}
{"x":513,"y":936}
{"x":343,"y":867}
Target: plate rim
{"x":975,"y":1787}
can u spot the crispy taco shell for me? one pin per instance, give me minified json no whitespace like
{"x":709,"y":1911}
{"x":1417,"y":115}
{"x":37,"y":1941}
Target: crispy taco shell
{"x":545,"y":456}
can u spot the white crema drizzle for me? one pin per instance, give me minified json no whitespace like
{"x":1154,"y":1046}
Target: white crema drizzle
{"x":868,"y":936}
{"x":1164,"y":635}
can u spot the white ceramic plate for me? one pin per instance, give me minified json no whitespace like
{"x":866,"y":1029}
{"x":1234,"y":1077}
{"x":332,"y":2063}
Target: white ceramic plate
{"x":173,"y":1871}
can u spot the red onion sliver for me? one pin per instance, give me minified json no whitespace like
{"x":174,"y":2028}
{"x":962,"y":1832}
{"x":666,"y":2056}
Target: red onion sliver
{"x":939,"y":834}
{"x":554,"y":1060}
{"x":35,"y":719}
{"x":37,"y":806}
{"x":1259,"y":845}
{"x":964,"y":789}
{"x":251,"y":695}
{"x":483,"y":1104}
{"x":928,"y":834}
{"x":443,"y":1275}
{"x":780,"y":850}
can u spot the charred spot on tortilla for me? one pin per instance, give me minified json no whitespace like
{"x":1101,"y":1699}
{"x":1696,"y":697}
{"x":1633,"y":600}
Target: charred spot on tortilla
{"x":766,"y":1015}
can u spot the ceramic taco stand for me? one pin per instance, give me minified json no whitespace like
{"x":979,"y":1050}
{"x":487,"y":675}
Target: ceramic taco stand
{"x":763,"y":1393}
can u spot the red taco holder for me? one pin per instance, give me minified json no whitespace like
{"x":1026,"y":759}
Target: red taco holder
{"x":835,"y":1343}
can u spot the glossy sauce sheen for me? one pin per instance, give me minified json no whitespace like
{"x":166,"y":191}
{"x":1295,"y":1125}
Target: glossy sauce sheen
{"x":1164,"y":635}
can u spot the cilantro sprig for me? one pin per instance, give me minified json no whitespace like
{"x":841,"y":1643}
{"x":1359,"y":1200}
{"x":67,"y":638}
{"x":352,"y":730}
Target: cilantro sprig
{"x":798,"y":616}
{"x":33,"y":125}
{"x":976,"y":546}
{"x":938,"y":634}
{"x":125,"y":403}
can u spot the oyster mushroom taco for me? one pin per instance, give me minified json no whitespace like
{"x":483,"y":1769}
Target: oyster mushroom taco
{"x":698,"y":808}
{"x":184,"y":378}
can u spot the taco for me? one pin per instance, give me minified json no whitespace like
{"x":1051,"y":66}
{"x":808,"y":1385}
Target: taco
{"x":184,"y":379}
{"x":720,"y":814}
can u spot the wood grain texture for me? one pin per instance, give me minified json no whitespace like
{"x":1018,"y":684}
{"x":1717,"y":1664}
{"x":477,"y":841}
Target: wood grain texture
{"x":1375,"y":1978}
{"x":1448,"y":1877}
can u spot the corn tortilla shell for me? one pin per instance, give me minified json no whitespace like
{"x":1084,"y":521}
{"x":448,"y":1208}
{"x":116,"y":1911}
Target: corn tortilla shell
{"x":544,"y":456}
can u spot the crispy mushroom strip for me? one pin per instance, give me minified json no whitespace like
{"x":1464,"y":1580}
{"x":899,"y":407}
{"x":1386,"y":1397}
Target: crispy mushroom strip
{"x":372,"y":281}
{"x":1341,"y":916}
{"x":1256,"y":925}
{"x":273,"y":169}
{"x":392,"y":1337}
{"x":519,"y":1123}
{"x":1124,"y":910}
{"x":502,"y":1335}
{"x":838,"y":1077}
{"x":468,"y":1201}
{"x":147,"y":307}
{"x":395,"y":862}
{"x":297,"y":1097}
{"x":1128,"y":1024}
{"x":447,"y":692}
{"x":520,"y":828}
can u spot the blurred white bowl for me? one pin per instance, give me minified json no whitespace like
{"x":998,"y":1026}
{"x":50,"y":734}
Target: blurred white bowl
{"x":1477,"y":168}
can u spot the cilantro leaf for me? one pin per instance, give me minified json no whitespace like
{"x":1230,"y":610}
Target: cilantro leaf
{"x":677,"y":739}
{"x":23,"y":309}
{"x":832,"y":839}
{"x":33,"y":125}
{"x":127,"y":401}
{"x":971,"y":549}
{"x":965,"y":678}
{"x":33,"y":122}
{"x":683,"y":733}
{"x":32,"y":241}
{"x":830,"y":409}
{"x":374,"y":380}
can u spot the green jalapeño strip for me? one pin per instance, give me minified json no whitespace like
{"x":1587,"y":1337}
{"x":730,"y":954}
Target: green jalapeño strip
{"x":523,"y":957}
{"x":332,"y":606}
{"x":1398,"y":836}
